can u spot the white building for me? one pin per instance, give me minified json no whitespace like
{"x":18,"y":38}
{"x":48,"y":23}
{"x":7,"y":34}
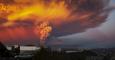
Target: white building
{"x":25,"y":48}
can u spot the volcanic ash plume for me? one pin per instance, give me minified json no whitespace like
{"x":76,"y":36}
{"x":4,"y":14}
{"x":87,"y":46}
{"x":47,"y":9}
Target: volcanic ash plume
{"x":65,"y":16}
{"x":43,"y":31}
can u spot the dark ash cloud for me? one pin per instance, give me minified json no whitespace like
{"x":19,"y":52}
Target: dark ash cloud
{"x":87,"y":14}
{"x":99,"y":12}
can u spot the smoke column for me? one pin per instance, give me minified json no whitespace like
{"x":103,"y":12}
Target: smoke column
{"x":43,"y":31}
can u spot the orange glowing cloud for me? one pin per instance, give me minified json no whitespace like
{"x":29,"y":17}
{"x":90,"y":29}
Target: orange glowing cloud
{"x":64,"y":16}
{"x":37,"y":10}
{"x":52,"y":11}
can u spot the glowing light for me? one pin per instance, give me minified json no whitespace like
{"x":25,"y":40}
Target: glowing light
{"x":52,"y":11}
{"x":43,"y":31}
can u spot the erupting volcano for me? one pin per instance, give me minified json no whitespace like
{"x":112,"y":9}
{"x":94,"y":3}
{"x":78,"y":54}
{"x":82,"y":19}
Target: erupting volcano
{"x":43,"y":31}
{"x":22,"y":18}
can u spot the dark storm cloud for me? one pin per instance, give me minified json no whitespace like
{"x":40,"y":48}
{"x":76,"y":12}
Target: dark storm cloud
{"x":98,"y":8}
{"x":87,"y":5}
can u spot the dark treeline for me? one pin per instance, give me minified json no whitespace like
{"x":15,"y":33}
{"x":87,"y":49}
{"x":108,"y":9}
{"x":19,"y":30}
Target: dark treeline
{"x":45,"y":54}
